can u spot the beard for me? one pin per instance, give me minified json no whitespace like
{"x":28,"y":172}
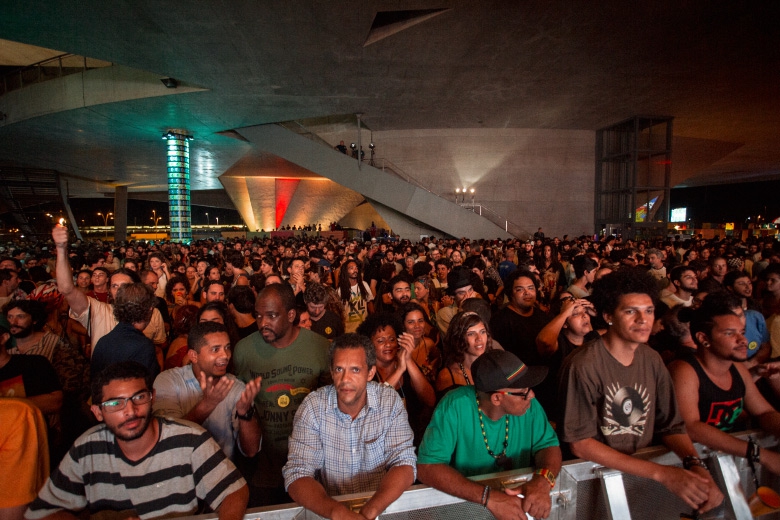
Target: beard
{"x":23,"y":333}
{"x":136,"y":434}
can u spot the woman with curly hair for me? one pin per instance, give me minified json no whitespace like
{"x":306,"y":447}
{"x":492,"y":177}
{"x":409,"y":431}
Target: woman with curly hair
{"x":176,"y":293}
{"x":468,"y":337}
{"x":426,"y":354}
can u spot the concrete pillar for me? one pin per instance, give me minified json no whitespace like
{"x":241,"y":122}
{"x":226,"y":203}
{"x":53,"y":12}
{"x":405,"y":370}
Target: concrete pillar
{"x":120,"y":213}
{"x":179,"y":209}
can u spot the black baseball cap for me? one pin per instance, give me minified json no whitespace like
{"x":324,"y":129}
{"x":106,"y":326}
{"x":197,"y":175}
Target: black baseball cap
{"x":501,"y":369}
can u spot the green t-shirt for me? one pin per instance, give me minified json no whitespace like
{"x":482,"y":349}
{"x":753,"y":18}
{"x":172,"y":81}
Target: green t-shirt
{"x":289,"y":375}
{"x":454,"y":436}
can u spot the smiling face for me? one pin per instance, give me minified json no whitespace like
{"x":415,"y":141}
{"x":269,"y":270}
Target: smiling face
{"x":213,"y":356}
{"x":386,"y":344}
{"x":477,"y":338}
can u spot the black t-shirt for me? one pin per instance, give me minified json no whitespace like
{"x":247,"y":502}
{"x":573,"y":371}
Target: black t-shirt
{"x":27,"y":376}
{"x":330,"y":325}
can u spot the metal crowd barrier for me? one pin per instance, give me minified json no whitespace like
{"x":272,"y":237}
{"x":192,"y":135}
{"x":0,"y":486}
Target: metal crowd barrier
{"x":584,"y":491}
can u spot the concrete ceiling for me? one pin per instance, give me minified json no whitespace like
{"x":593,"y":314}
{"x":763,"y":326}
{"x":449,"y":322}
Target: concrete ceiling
{"x":714,"y":66}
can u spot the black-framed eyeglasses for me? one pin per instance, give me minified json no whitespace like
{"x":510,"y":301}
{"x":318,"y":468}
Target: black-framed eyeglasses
{"x":119,"y":403}
{"x":524,"y":395}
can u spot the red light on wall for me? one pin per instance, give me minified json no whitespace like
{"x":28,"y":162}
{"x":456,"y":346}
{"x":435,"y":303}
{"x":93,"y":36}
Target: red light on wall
{"x":285,"y":189}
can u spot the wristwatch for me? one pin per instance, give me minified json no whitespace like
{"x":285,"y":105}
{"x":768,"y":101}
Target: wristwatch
{"x":547,"y":475}
{"x":248,"y":415}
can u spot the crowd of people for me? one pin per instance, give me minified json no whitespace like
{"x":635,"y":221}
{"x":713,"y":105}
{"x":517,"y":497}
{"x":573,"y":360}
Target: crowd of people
{"x":161,"y":378}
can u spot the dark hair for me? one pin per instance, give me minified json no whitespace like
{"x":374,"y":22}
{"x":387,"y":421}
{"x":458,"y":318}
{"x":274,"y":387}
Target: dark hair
{"x":410,"y":307}
{"x":102,"y":269}
{"x":380,"y":320}
{"x":315,"y":293}
{"x":478,"y":305}
{"x":127,"y":272}
{"x":345,"y":286}
{"x":183,"y":319}
{"x":582,"y":263}
{"x":626,"y":280}
{"x":520,"y":273}
{"x":402,"y":277}
{"x":242,"y":297}
{"x":235,"y":258}
{"x":179,"y":278}
{"x":719,"y":303}
{"x":6,"y":274}
{"x":123,"y":371}
{"x":197,"y":336}
{"x":209,"y":283}
{"x":455,"y":342}
{"x":134,"y":303}
{"x":675,"y":275}
{"x":353,"y":341}
{"x":733,"y":276}
{"x":36,"y":310}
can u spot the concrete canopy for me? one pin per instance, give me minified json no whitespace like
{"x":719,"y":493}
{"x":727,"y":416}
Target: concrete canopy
{"x":407,"y":66}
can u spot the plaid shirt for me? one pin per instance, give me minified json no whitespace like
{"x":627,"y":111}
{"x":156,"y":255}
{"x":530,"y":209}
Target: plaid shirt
{"x":345,"y":455}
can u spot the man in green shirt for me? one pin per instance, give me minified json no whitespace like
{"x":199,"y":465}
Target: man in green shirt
{"x":495,"y":425}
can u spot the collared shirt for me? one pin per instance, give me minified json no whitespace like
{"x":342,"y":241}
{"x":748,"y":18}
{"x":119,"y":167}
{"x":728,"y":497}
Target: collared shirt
{"x":177,"y":392}
{"x":349,"y":456}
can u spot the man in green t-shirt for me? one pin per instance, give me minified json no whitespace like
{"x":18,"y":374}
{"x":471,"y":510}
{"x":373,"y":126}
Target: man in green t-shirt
{"x":292,"y":362}
{"x":495,"y":425}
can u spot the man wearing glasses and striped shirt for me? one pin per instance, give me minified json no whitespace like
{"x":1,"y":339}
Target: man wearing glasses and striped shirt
{"x":138,"y":465}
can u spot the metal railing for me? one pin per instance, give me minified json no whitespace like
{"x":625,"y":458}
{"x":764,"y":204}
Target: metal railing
{"x":386,"y":165}
{"x":50,"y":68}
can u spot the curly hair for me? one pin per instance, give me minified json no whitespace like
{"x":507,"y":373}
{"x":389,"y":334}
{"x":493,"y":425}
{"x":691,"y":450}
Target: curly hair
{"x":36,"y":310}
{"x":380,"y":320}
{"x":626,"y":280}
{"x":134,"y":303}
{"x":179,"y":278}
{"x":455,"y":342}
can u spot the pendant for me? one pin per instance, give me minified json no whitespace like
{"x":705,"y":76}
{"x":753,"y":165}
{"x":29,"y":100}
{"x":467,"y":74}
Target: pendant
{"x":504,"y":462}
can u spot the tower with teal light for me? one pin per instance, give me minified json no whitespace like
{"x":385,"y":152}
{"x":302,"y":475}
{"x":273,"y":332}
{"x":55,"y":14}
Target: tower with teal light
{"x":179,"y":209}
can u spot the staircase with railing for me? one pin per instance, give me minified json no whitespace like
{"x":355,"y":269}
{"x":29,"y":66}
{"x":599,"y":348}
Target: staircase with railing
{"x":386,"y":165}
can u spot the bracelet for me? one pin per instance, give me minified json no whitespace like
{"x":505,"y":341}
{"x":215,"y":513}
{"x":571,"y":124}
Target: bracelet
{"x":753,"y":451}
{"x":485,"y":496}
{"x":547,"y":475}
{"x":248,"y":415}
{"x":690,"y":462}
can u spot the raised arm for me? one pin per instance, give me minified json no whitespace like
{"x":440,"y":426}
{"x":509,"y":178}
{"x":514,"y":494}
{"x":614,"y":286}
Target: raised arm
{"x":76,"y":299}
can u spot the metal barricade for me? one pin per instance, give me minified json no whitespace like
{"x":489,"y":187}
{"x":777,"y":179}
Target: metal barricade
{"x":584,"y":491}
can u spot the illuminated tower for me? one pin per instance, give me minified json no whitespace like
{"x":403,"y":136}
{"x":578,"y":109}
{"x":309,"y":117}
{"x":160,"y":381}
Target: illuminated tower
{"x":179,"y":211}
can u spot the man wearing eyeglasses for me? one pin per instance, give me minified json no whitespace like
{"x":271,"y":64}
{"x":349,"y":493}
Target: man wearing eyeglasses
{"x":139,"y":465}
{"x":495,"y":425}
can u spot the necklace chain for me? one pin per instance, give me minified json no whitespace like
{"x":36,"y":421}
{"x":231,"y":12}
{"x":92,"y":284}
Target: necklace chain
{"x":501,"y":455}
{"x":466,"y":376}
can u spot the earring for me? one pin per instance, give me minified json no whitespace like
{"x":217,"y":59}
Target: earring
{"x":609,"y":323}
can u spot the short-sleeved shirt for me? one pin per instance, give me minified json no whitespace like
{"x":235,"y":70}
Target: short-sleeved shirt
{"x":329,"y":326}
{"x":289,"y":375}
{"x":184,"y":467}
{"x":177,"y":392}
{"x":454,"y":436}
{"x":624,"y":407}
{"x":349,"y":456}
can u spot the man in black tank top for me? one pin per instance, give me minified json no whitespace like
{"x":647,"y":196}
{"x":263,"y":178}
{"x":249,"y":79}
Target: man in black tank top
{"x":713,"y":386}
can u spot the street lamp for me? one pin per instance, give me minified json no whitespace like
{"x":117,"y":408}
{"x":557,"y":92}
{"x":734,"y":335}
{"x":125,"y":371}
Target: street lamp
{"x":472,"y":197}
{"x":105,"y":220}
{"x":156,"y":219}
{"x":217,"y":221}
{"x":457,"y":191}
{"x":208,"y":222}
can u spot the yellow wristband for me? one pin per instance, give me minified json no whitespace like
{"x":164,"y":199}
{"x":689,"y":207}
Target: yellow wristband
{"x":547,"y":474}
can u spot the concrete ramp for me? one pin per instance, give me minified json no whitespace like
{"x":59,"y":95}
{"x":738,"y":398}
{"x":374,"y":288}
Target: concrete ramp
{"x":374,"y":184}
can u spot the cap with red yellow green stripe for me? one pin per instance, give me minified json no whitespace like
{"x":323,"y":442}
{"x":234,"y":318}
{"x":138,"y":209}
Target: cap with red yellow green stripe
{"x":499,"y":369}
